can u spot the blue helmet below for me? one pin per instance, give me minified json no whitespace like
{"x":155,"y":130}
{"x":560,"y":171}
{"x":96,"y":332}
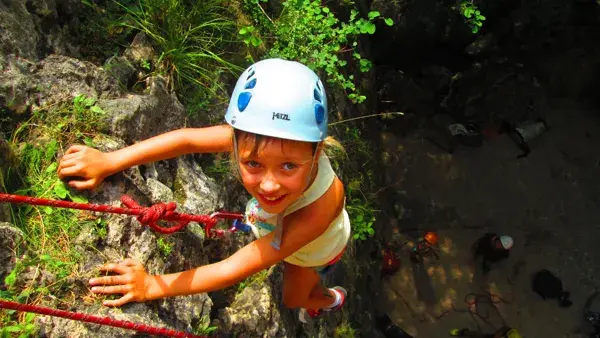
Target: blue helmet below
{"x":279,"y":98}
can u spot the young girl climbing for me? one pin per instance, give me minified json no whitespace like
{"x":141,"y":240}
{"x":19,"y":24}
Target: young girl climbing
{"x":277,"y":129}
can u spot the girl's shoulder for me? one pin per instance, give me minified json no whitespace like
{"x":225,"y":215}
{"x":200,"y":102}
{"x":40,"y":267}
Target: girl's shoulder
{"x":334,"y":197}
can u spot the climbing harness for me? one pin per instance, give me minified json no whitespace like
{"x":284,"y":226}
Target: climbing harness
{"x":147,"y":216}
{"x":84,"y":317}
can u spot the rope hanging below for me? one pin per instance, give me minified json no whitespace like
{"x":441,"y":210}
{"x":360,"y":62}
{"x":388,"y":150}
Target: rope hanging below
{"x":148,"y":216}
{"x":84,"y":317}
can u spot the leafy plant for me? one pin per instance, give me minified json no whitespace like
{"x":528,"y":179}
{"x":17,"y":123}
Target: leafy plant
{"x":145,"y":64}
{"x":345,"y":330}
{"x":49,"y":232}
{"x":101,"y":228}
{"x":203,"y":327}
{"x":472,"y":15}
{"x":362,"y":218}
{"x":358,"y":177}
{"x":24,"y":329}
{"x":165,"y":247}
{"x":308,"y":32}
{"x":190,"y":37}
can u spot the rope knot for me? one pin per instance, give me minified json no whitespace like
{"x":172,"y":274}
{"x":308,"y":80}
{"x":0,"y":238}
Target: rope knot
{"x":150,"y":215}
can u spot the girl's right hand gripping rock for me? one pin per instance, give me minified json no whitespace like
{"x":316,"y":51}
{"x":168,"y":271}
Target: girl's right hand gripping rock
{"x":131,"y":280}
{"x":89,"y":166}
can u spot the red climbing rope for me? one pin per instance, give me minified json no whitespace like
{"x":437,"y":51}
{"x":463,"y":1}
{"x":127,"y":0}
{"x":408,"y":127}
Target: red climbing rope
{"x":83,"y":317}
{"x":146,"y":215}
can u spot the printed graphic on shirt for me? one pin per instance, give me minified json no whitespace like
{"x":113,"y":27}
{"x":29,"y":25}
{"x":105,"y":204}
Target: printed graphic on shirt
{"x":253,"y":216}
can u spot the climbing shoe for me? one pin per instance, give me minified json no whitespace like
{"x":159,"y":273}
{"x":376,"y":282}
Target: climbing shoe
{"x":307,"y":315}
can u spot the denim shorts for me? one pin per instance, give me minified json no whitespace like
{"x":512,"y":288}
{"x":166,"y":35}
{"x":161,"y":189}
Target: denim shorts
{"x":323,"y":270}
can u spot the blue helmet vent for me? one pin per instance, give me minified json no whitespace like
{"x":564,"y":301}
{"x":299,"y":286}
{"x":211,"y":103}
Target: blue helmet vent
{"x":250,"y":84}
{"x":319,"y":113}
{"x":243,"y":100}
{"x":251,"y":74}
{"x":319,"y":87}
{"x":317,"y":95}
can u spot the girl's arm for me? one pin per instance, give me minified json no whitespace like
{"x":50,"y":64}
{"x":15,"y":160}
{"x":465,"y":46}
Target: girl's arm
{"x":172,"y":144}
{"x":301,"y":227}
{"x":92,"y":166}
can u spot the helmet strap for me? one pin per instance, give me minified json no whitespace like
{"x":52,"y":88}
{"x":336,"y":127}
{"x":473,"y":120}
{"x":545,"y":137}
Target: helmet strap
{"x":236,"y":157}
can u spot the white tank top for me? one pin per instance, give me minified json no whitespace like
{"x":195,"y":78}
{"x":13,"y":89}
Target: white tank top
{"x":325,"y":247}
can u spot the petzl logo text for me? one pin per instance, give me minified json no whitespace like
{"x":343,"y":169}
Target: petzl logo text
{"x":281,"y":116}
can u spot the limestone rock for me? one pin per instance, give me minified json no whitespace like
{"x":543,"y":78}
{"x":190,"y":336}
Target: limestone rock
{"x":11,"y":244}
{"x":138,"y":117}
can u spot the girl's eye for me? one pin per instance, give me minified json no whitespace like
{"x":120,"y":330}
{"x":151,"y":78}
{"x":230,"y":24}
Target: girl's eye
{"x":252,"y":164}
{"x":289,"y":166}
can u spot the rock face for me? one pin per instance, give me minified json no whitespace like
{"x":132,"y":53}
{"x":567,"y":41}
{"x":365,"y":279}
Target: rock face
{"x":254,"y":311}
{"x":128,"y":238}
{"x":12,"y":244}
{"x":34,"y":29}
{"x":173,"y":314}
{"x":30,"y":78}
{"x":6,"y":162}
{"x":25,"y":85}
{"x":137,"y":117}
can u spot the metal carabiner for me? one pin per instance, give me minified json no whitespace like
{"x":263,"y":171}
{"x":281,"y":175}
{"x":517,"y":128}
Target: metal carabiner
{"x":237,"y":224}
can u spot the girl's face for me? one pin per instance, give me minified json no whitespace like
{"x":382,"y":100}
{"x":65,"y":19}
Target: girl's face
{"x":276,"y":172}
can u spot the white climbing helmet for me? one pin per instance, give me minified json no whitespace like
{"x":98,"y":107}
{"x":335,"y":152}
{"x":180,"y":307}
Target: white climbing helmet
{"x":279,"y":98}
{"x":507,"y":242}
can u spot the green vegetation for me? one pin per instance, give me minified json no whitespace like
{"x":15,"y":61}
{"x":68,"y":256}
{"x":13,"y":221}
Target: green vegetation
{"x":220,"y":167}
{"x":259,"y":277}
{"x":49,"y":232}
{"x":190,"y":37}
{"x":358,"y":203}
{"x":472,"y":15}
{"x":165,"y":246}
{"x":191,"y":40}
{"x":345,"y":330}
{"x":362,"y":217}
{"x":203,"y":328}
{"x":194,"y":43}
{"x":308,"y":31}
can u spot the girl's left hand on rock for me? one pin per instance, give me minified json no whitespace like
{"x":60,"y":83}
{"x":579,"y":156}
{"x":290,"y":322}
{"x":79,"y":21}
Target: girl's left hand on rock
{"x":130,"y":281}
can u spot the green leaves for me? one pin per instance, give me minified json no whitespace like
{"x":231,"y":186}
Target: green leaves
{"x":373,"y":14}
{"x":84,"y":104}
{"x":309,"y":32}
{"x":472,"y":15}
{"x":362,"y":218}
{"x":191,"y":38}
{"x":52,"y":167}
{"x":11,"y":278}
{"x":250,"y":36}
{"x":96,"y":109}
{"x":60,"y":189}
